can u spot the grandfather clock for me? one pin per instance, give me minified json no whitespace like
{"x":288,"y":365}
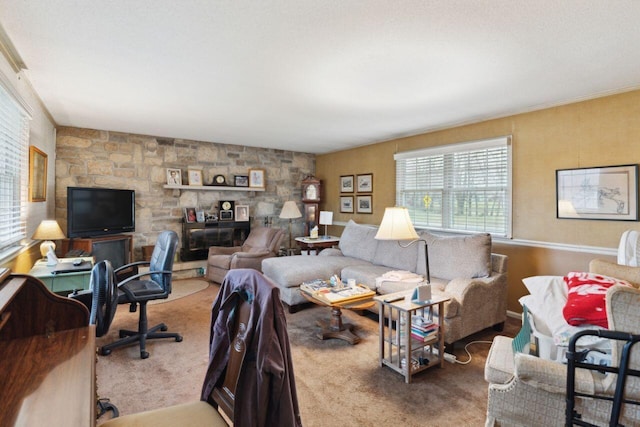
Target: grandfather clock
{"x":311,"y":200}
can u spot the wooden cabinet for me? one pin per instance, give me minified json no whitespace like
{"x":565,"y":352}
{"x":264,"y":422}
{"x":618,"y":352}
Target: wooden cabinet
{"x":117,"y":248}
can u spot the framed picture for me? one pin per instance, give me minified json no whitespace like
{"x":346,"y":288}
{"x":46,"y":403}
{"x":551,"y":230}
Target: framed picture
{"x":608,"y":192}
{"x":195,"y":177}
{"x":346,"y":204}
{"x":364,"y":204}
{"x":256,"y":178}
{"x":365,"y":183}
{"x":190,"y":215}
{"x":241,"y":180}
{"x":346,"y":184}
{"x":37,"y":175}
{"x":242,"y":213}
{"x":200,"y":216}
{"x":174,"y":176}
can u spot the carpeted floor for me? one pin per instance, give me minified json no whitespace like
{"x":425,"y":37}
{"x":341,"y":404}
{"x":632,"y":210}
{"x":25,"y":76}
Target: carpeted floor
{"x":338,"y":384}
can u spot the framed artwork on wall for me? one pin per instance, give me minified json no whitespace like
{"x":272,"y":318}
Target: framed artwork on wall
{"x":346,"y":184}
{"x":346,"y":204}
{"x":256,"y":178}
{"x":365,"y":183}
{"x":364,"y":204}
{"x":174,"y":176}
{"x":241,"y":180}
{"x":37,"y":175}
{"x":608,"y":192}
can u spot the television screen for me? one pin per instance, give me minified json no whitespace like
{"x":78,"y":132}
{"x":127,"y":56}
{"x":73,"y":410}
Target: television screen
{"x":99,"y":211}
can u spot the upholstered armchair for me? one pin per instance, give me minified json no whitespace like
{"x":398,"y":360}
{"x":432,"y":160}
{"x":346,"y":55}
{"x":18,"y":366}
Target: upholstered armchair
{"x":261,"y":243}
{"x":525,"y":389}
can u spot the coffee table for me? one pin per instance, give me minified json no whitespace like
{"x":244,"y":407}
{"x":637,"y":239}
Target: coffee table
{"x":334,"y":327}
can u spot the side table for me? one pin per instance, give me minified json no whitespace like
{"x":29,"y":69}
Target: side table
{"x":398,"y":344}
{"x":62,"y":283}
{"x":323,"y":242}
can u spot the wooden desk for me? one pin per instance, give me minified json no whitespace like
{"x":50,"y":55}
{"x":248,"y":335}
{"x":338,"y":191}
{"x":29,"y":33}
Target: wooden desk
{"x":47,"y":354}
{"x":62,"y":283}
{"x":323,"y":242}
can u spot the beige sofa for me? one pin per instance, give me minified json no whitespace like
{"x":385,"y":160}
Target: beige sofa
{"x":523,"y":388}
{"x":462,"y":268}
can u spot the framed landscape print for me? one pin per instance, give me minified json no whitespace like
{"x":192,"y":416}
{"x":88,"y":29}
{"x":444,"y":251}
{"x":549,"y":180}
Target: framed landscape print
{"x":241,"y":180}
{"x":365,"y":183}
{"x":346,"y":204}
{"x":364,"y":204}
{"x":37,"y":175}
{"x":346,"y":184}
{"x":608,"y":192}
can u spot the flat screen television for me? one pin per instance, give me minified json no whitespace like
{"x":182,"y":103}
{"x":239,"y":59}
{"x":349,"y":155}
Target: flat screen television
{"x":100,"y":211}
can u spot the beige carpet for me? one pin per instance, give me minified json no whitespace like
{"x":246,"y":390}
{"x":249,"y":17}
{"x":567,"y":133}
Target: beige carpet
{"x":338,"y":384}
{"x":181,"y":288}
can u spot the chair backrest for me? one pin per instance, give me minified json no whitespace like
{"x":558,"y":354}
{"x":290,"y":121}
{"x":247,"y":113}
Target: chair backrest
{"x":104,"y":299}
{"x":162,"y":258}
{"x":263,"y":238}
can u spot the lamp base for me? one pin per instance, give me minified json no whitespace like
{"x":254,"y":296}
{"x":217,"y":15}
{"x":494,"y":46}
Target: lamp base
{"x":44,"y":247}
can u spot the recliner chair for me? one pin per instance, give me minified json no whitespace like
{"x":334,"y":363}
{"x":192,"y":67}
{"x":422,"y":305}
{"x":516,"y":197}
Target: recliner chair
{"x":262,"y":242}
{"x":141,"y":288}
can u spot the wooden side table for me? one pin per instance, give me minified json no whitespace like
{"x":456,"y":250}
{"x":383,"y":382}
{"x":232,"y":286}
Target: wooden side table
{"x":323,"y":242}
{"x":397,"y":343}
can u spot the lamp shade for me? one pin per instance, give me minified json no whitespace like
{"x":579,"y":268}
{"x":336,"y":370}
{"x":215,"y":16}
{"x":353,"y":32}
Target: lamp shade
{"x":290,"y":210}
{"x":47,"y":231}
{"x":396,"y":225}
{"x":326,"y":218}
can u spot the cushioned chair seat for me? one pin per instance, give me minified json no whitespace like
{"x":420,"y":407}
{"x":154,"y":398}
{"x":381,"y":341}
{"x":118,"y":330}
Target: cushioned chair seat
{"x":192,"y":414}
{"x":142,"y":289}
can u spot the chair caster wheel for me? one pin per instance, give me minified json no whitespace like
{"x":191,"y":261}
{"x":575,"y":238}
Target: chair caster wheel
{"x":105,"y":352}
{"x":179,"y":338}
{"x":164,"y":328}
{"x":144,"y":354}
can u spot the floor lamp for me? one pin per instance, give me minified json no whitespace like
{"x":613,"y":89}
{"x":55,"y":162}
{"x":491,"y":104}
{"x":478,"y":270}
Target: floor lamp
{"x":396,"y":225}
{"x":290,"y":211}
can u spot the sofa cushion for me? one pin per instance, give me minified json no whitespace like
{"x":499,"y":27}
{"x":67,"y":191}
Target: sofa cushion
{"x":358,"y":241}
{"x":453,"y":257}
{"x":291,"y":271}
{"x":389,"y":253}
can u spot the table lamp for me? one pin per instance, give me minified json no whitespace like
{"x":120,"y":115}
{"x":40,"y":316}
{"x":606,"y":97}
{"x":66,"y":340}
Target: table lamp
{"x":326,"y":218}
{"x":48,"y":230}
{"x":290,"y":211}
{"x":396,"y":225}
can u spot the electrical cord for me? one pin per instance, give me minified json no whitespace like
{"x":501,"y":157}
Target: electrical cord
{"x":466,"y":362}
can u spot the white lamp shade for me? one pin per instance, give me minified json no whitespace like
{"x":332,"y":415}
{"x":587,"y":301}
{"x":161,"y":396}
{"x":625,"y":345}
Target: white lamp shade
{"x":326,"y":218}
{"x":290,"y":210}
{"x":396,"y":225}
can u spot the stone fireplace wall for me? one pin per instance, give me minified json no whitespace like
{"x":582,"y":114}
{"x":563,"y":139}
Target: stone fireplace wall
{"x":96,"y":158}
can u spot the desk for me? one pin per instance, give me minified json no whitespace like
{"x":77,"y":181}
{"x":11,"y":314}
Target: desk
{"x":307,"y":243}
{"x":62,"y":283}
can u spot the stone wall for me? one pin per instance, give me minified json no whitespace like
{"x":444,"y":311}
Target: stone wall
{"x":95,"y":158}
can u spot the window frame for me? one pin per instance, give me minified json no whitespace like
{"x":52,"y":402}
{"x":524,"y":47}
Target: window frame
{"x":489,"y":180}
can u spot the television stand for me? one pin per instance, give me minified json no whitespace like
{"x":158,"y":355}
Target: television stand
{"x":117,"y":248}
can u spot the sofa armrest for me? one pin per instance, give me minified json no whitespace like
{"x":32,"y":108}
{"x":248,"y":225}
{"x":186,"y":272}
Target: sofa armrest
{"x":480,"y":288}
{"x":331,"y":252}
{"x":249,"y":259}
{"x":250,"y":255}
{"x":224,"y":250}
{"x":552,"y":376}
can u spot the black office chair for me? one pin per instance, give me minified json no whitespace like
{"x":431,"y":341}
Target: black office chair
{"x":102,"y":300}
{"x":141,"y":288}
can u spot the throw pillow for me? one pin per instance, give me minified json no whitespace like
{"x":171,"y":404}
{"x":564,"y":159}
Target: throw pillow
{"x":454,"y":257}
{"x":586,"y":298}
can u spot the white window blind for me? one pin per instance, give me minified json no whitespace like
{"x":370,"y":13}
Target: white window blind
{"x":14,"y":173}
{"x":460,"y":187}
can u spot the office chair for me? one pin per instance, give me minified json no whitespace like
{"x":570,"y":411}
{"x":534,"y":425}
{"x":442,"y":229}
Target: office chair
{"x":141,"y":288}
{"x":250,"y":358}
{"x":101,"y":300}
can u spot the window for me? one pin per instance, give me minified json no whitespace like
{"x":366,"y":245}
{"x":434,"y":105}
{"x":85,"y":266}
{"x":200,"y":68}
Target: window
{"x":14,"y":173}
{"x":460,"y":187}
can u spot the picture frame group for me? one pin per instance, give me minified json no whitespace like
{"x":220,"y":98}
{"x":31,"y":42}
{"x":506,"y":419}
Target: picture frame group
{"x":255,"y":178}
{"x":360,"y":183}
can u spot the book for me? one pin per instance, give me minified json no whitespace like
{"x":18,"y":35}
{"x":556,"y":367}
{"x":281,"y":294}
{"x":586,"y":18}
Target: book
{"x":346,"y":294}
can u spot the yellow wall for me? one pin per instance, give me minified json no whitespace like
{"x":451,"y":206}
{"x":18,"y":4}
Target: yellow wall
{"x":599,"y":132}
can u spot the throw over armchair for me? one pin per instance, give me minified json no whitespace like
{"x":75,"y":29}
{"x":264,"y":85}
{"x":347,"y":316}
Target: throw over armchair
{"x":523,"y":388}
{"x":261,"y":243}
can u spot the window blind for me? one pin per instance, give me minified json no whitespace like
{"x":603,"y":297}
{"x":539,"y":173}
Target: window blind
{"x":14,"y":174}
{"x":459,"y":187}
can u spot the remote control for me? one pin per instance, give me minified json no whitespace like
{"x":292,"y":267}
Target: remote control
{"x":77,"y":262}
{"x":393,"y":299}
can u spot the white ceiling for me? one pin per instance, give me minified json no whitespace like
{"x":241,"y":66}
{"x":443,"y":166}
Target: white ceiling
{"x":317,"y":75}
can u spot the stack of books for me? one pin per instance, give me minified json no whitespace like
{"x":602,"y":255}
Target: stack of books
{"x":423,"y":329}
{"x":322,"y":290}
